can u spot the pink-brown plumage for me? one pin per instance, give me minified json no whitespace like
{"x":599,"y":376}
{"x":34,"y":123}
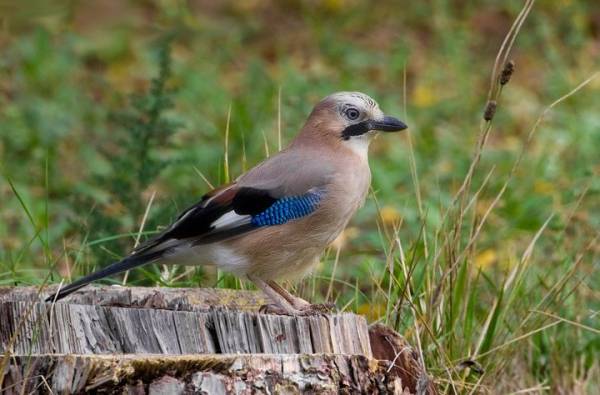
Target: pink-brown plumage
{"x":326,"y":163}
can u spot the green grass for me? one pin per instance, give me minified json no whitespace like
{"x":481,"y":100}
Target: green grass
{"x":500,"y":274}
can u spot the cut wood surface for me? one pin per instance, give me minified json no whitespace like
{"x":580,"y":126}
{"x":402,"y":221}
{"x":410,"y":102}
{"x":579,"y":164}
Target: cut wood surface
{"x":180,"y":299}
{"x":140,"y":340}
{"x":183,"y":324}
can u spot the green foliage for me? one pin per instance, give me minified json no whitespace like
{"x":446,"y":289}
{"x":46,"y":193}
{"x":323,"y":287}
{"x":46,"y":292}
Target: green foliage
{"x":147,"y":130}
{"x":80,"y":160}
{"x":141,"y":130}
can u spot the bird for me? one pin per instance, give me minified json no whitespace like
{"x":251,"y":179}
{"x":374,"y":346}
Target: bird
{"x":274,"y":221}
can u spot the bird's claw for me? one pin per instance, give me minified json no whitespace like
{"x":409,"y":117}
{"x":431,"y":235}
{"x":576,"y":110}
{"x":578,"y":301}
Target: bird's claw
{"x":318,"y":308}
{"x":309,"y":310}
{"x":272,"y":308}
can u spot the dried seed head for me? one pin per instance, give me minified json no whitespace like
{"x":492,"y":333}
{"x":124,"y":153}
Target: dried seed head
{"x":490,"y":110}
{"x":507,"y":72}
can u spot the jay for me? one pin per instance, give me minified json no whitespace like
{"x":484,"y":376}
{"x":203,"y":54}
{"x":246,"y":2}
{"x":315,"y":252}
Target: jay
{"x":275,"y":220}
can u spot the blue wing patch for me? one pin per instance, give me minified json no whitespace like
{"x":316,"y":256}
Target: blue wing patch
{"x":287,"y":209}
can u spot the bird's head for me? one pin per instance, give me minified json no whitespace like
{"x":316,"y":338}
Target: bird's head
{"x":350,"y":118}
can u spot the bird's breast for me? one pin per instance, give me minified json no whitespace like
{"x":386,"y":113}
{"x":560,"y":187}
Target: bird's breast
{"x":272,"y":252}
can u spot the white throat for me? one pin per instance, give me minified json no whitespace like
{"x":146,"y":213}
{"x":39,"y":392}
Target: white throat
{"x":360,"y":145}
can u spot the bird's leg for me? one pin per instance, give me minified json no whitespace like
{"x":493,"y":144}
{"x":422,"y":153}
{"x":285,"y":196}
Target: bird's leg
{"x":295,"y":301}
{"x":300,"y":303}
{"x":282,"y":305}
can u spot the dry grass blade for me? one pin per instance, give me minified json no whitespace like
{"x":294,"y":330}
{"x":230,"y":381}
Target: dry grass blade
{"x":570,"y":322}
{"x":141,"y":229}
{"x":279,"y":119}
{"x":505,"y":294}
{"x":335,"y":264}
{"x":506,"y":46}
{"x":516,"y":339}
{"x":493,"y":95}
{"x":538,"y":389}
{"x":210,"y":185}
{"x":226,"y":154}
{"x":513,"y":170}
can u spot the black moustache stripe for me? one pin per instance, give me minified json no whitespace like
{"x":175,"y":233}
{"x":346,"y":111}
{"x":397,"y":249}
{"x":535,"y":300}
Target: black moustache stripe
{"x":356,"y":129}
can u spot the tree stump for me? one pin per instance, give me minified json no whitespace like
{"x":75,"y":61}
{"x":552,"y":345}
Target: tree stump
{"x":160,"y":340}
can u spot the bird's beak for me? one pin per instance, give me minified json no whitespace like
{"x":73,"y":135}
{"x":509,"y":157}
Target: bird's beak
{"x":388,"y":124}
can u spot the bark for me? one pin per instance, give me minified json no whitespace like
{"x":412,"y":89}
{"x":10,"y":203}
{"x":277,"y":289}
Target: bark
{"x":405,"y":361}
{"x":205,"y":374}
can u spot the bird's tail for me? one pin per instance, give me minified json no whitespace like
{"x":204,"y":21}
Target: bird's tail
{"x":117,"y":267}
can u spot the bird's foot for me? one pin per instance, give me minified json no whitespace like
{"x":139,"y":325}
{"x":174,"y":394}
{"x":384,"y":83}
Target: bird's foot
{"x":308,"y":310}
{"x":318,"y":308}
{"x":273,"y":308}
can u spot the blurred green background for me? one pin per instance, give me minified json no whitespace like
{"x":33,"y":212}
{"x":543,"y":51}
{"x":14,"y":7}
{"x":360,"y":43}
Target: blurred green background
{"x":106,"y":106}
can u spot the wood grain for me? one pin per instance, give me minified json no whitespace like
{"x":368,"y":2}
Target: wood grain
{"x":172,"y":322}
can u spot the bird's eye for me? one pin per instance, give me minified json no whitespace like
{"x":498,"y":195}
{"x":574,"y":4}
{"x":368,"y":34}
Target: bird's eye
{"x":352,"y":113}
